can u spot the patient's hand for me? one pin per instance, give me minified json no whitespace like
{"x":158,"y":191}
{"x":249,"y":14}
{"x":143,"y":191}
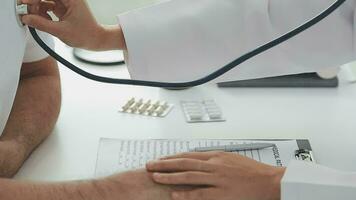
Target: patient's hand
{"x":76,"y":26}
{"x":135,"y":185}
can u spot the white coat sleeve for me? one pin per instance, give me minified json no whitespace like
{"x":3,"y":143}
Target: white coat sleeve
{"x":307,"y":181}
{"x":181,"y":40}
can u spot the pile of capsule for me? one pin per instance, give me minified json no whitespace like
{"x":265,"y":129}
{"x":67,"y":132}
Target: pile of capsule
{"x":148,"y":107}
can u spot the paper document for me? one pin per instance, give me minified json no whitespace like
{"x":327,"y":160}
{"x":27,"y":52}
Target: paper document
{"x":121,"y":155}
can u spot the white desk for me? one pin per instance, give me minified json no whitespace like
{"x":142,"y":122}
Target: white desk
{"x":325,"y":116}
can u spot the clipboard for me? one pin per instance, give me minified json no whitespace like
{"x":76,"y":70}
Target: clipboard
{"x":117,"y":155}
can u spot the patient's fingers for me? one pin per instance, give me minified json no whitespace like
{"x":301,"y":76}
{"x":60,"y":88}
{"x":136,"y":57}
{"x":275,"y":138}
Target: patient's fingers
{"x":175,"y":165}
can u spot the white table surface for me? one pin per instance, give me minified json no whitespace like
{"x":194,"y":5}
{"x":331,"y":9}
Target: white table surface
{"x":90,"y":111}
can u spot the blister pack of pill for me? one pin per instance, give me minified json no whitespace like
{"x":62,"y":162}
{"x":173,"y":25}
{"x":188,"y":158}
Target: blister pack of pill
{"x":146,"y":107}
{"x":202,"y":111}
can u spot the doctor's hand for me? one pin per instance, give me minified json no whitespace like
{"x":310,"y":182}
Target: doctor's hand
{"x":224,"y":176}
{"x":76,"y":26}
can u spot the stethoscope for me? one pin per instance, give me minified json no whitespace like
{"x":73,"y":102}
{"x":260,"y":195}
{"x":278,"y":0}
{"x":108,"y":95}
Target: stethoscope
{"x":200,"y":81}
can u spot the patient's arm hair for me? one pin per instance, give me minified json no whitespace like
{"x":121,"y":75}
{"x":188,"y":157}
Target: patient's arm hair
{"x":133,"y":185}
{"x":33,"y":116}
{"x":83,"y":190}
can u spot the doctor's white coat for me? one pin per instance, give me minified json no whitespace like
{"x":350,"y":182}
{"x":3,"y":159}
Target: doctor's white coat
{"x":181,"y":40}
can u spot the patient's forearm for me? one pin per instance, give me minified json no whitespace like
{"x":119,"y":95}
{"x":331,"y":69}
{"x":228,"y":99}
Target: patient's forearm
{"x":16,"y":190}
{"x":34,"y":113}
{"x":133,"y":185}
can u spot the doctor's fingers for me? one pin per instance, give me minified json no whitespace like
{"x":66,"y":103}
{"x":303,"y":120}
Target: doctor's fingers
{"x":194,"y":155}
{"x":45,"y":8}
{"x":179,"y":165}
{"x":42,"y":9}
{"x":43,"y":24}
{"x":61,"y":7}
{"x":186,"y":178}
{"x":31,"y":2}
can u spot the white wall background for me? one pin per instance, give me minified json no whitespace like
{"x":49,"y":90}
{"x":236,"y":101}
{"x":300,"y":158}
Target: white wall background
{"x":106,"y":10}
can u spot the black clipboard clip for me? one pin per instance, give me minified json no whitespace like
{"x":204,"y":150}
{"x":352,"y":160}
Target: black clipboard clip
{"x":304,"y":155}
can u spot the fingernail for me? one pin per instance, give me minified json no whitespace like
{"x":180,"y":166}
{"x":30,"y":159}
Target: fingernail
{"x":151,"y":164}
{"x":148,"y":165}
{"x":156,"y":175}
